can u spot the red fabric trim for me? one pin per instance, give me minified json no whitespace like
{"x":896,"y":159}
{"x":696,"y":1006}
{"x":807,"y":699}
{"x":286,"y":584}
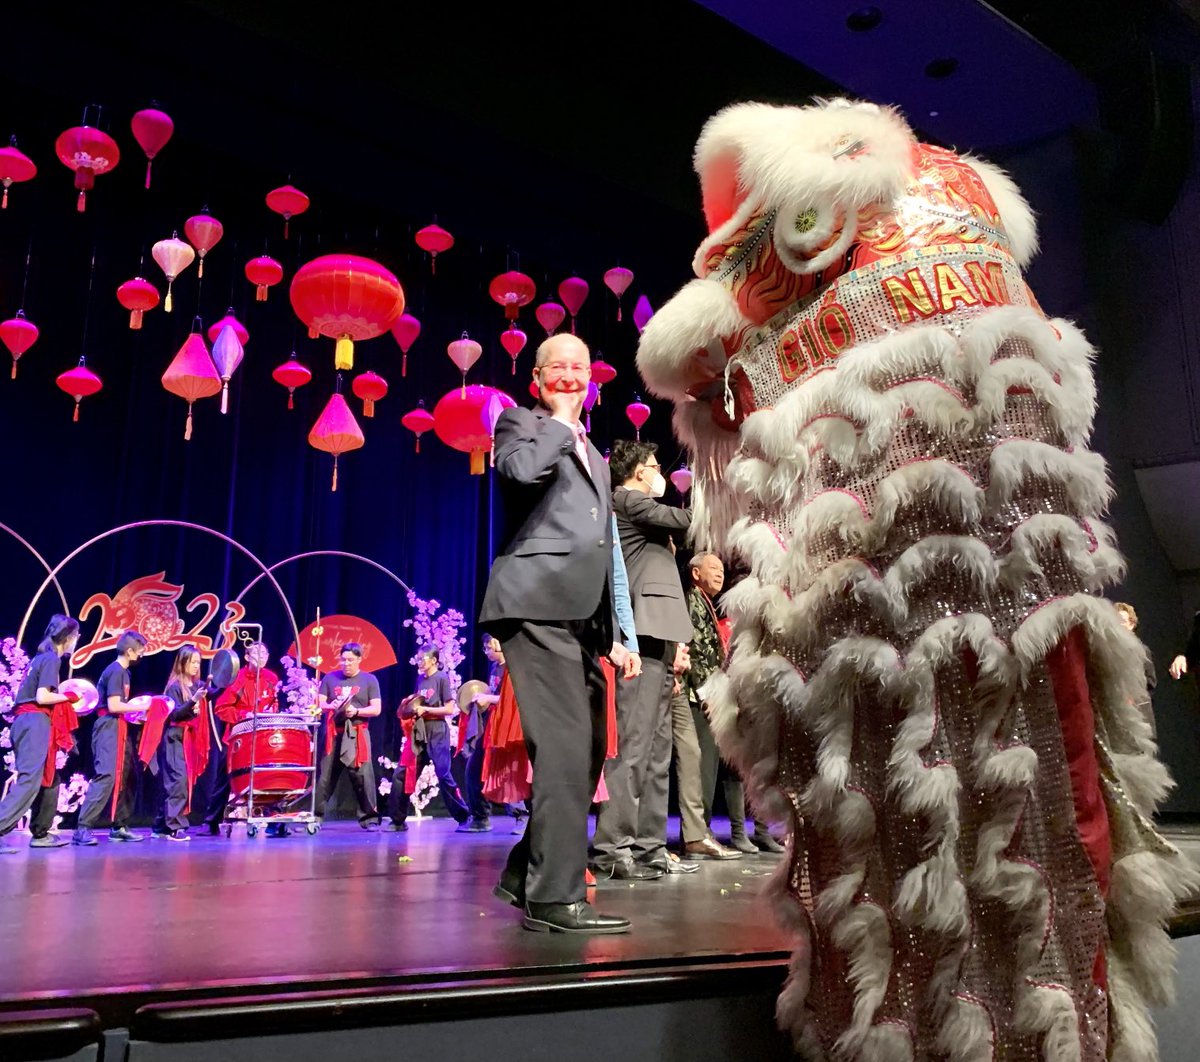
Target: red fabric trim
{"x":63,"y":721}
{"x":152,"y":729}
{"x":195,"y":747}
{"x":362,"y":744}
{"x":119,"y":769}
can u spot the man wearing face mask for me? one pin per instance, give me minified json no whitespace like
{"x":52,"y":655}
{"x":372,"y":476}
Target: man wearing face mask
{"x":630,"y":839}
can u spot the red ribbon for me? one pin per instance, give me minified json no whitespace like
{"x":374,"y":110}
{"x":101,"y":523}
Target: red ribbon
{"x":63,"y":721}
{"x":119,"y":770}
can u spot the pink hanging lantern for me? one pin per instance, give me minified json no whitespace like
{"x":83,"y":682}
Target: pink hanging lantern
{"x":18,"y":335}
{"x":602,"y":373}
{"x":336,"y":432}
{"x":152,"y":129}
{"x":590,"y":398}
{"x":682,"y":478}
{"x":292,"y":374}
{"x":288,"y":202}
{"x":466,"y":420}
{"x":371,"y":388}
{"x":79,"y":383}
{"x":227,"y":354}
{"x":550,"y":315}
{"x":406,"y":329}
{"x":214,"y":329}
{"x":435,"y":240}
{"x":512,"y":290}
{"x":263,"y":272}
{"x":464,"y":353}
{"x":617,"y":280}
{"x":203,"y":233}
{"x":573,"y":291}
{"x":173,"y":257}
{"x":418,"y":421}
{"x":513,"y":340}
{"x":642,"y":313}
{"x":192,"y":374}
{"x":15,"y":167}
{"x":638,"y":413}
{"x":138,"y":296}
{"x":88,"y":152}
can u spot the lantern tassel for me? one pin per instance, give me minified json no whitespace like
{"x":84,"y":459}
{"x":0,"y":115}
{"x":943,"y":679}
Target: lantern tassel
{"x":4,"y":201}
{"x":200,"y":268}
{"x":168,"y":302}
{"x":149,"y":163}
{"x":224,"y":396}
{"x":81,"y":202}
{"x":261,"y":294}
{"x":477,"y":462}
{"x":618,"y":309}
{"x":572,"y":324}
{"x":286,"y":219}
{"x":313,"y":333}
{"x":291,"y":395}
{"x":368,"y":407}
{"x":464,"y":386}
{"x":404,"y":365}
{"x":75,"y":418}
{"x":187,"y":431}
{"x":14,"y":371}
{"x":418,"y":444}
{"x":343,"y":354}
{"x":514,"y":367}
{"x":433,"y":264}
{"x":135,"y":319}
{"x":334,"y":487}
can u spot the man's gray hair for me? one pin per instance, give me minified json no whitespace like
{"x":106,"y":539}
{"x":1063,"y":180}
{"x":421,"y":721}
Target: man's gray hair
{"x":698,"y":559}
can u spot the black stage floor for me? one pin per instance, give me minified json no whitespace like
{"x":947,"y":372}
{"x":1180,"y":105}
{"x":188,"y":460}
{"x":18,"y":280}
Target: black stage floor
{"x":121,"y":925}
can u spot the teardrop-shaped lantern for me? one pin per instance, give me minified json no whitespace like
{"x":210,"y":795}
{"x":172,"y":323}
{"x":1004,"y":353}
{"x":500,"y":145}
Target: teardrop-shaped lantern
{"x":602,"y":373}
{"x":642,"y":313}
{"x":638,"y":413}
{"x":173,"y":257}
{"x":214,"y":329}
{"x":152,"y":129}
{"x":227,"y":356}
{"x":406,"y":328}
{"x":617,"y":280}
{"x":203,"y":233}
{"x":550,"y":315}
{"x":513,"y":341}
{"x":573,"y":291}
{"x":464,"y":353}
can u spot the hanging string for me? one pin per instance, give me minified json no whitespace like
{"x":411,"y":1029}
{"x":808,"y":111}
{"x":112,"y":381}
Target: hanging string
{"x":28,"y":261}
{"x":87,"y":306}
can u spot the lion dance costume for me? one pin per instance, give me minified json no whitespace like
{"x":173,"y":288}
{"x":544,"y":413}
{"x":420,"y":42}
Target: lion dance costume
{"x":891,"y":434}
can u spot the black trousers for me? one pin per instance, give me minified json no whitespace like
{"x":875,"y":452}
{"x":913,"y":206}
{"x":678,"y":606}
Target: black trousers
{"x":217,"y":776}
{"x":172,"y":769}
{"x":98,"y":802}
{"x":361,"y":778}
{"x":560,"y":692}
{"x":30,"y":733}
{"x":434,"y":749}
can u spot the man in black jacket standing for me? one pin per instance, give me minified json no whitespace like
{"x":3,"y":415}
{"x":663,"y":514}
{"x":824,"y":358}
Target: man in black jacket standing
{"x":550,"y":602}
{"x":630,"y":839}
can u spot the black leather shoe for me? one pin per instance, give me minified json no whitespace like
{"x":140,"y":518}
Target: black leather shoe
{"x":636,"y":872}
{"x":578,"y":917}
{"x":672,"y":864}
{"x":510,"y":889}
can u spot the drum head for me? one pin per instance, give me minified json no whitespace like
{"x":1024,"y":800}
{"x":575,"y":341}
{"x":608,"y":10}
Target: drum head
{"x":467,"y":692}
{"x":89,"y":696}
{"x":223,"y":669}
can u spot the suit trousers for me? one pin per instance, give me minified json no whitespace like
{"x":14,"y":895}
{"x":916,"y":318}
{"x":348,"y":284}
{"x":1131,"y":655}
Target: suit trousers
{"x":632,"y":824}
{"x":561,"y":697}
{"x":30,"y":733}
{"x":172,"y":768}
{"x":713,"y":769}
{"x":693,"y":826}
{"x":98,"y":802}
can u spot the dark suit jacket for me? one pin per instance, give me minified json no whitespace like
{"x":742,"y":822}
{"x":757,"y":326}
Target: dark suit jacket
{"x":555,"y":561}
{"x":645,"y":526}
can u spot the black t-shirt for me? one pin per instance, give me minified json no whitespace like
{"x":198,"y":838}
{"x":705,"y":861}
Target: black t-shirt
{"x":43,"y":672}
{"x":184,"y":702}
{"x":337,"y":684}
{"x":434,"y":690}
{"x":114,"y":682}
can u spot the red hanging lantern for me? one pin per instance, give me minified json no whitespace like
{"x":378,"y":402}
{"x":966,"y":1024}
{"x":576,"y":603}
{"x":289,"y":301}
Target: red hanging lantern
{"x":602,"y":373}
{"x":371,"y":388}
{"x":346,"y":298}
{"x":512,"y":290}
{"x":289,"y":202}
{"x":88,"y":152}
{"x":192,"y":374}
{"x":418,"y":421}
{"x":152,"y":129}
{"x":79,"y":383}
{"x":513,"y":340}
{"x":617,"y":280}
{"x":18,"y":335}
{"x":464,"y":353}
{"x":263,"y":272}
{"x":15,"y":167}
{"x":550,"y":315}
{"x":292,"y":374}
{"x":638,"y":413}
{"x":573,"y":291}
{"x":336,"y":432}
{"x":214,"y":329}
{"x":173,"y":257}
{"x":435,"y":240}
{"x":138,"y":296}
{"x":203,"y":233}
{"x":465,"y":420}
{"x":406,"y":329}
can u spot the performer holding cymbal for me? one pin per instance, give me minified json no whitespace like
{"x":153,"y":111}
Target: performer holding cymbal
{"x":348,"y":697}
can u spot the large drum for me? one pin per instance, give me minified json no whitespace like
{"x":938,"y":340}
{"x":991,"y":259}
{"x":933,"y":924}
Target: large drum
{"x":281,"y":751}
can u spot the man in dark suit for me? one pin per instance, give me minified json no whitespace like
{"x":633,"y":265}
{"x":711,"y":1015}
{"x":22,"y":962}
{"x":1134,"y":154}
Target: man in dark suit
{"x":550,"y":602}
{"x":630,"y":840}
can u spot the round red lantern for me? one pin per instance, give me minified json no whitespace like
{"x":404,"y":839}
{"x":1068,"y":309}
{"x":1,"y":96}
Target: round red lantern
{"x":79,"y":383}
{"x":418,"y":421}
{"x":406,"y":329}
{"x":263,"y":272}
{"x":617,"y":280}
{"x":550,"y":315}
{"x":292,"y":374}
{"x":214,"y":329}
{"x":137,"y":296}
{"x":512,"y":290}
{"x":602,"y":373}
{"x":435,"y":240}
{"x":18,"y":335}
{"x":15,"y":167}
{"x":336,"y":432}
{"x":152,"y":129}
{"x":287,"y":201}
{"x":88,"y":152}
{"x":513,"y":340}
{"x":371,"y":388}
{"x":466,"y":419}
{"x":203,"y":233}
{"x":573,"y":291}
{"x":346,"y":298}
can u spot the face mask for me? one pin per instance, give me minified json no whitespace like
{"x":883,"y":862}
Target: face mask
{"x":658,"y":486}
